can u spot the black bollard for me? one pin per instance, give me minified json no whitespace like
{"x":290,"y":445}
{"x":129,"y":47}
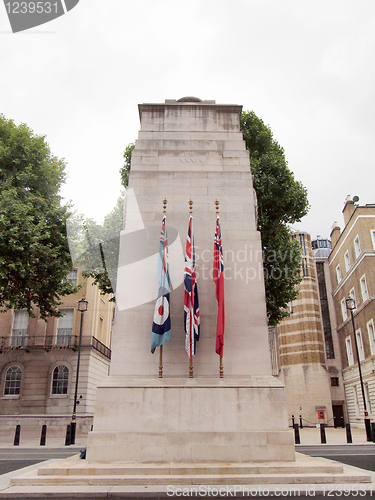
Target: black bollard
{"x":43,"y":435}
{"x":293,"y":421}
{"x":297,"y":439}
{"x":349,"y":438}
{"x":300,"y":421}
{"x":373,"y":431}
{"x":17,"y":436}
{"x":323,"y":439}
{"x":68,"y":436}
{"x":73,"y":427}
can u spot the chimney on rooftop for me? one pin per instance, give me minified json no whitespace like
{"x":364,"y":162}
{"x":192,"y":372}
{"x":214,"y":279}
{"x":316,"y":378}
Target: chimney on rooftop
{"x":335,"y":233}
{"x":348,"y":209}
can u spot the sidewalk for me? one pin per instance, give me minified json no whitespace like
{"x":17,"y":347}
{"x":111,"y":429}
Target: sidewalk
{"x":308,"y":436}
{"x":311,"y":435}
{"x":29,"y":442}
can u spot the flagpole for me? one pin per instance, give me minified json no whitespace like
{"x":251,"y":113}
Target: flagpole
{"x":221,"y":367}
{"x":191,"y":368}
{"x":161,"y":361}
{"x":161,"y":347}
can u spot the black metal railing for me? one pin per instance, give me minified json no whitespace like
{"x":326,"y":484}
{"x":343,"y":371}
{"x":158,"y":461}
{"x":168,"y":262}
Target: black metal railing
{"x":48,"y":342}
{"x":99,"y":346}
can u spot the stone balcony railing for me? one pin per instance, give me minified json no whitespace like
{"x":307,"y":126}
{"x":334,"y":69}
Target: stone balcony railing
{"x":29,"y":343}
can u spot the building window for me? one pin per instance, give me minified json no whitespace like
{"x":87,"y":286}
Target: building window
{"x":371,"y":335}
{"x":60,"y":379}
{"x":12,"y":381}
{"x":19,"y":330}
{"x":373,"y":237}
{"x":338,"y":274}
{"x":344,"y":311}
{"x":352,"y":296}
{"x":302,"y":243}
{"x":357,"y":247}
{"x":334,"y":381}
{"x":364,"y":288}
{"x":349,"y":350}
{"x":72,"y":277}
{"x":330,"y":353}
{"x":361,"y":351}
{"x":347,"y":260}
{"x":305,"y":270}
{"x":65,"y":327}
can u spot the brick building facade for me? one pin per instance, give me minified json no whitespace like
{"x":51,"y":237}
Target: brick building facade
{"x":302,"y":355}
{"x":38,"y":363}
{"x":352,"y":272}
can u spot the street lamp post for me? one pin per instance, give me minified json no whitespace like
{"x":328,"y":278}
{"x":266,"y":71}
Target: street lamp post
{"x":82,"y":307}
{"x":350,"y":304}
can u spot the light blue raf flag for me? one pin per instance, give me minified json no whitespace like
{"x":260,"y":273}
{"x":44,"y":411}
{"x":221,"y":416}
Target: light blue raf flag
{"x":161,"y":326}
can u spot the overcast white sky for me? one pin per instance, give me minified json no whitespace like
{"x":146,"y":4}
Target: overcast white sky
{"x":306,"y":67}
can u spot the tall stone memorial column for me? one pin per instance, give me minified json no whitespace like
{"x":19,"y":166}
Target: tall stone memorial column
{"x":190,"y":149}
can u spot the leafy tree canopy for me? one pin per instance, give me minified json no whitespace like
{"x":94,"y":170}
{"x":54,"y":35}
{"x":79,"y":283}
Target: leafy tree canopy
{"x":96,"y":247}
{"x":281,"y":201}
{"x":101,"y":263}
{"x":34,"y":253}
{"x":125,"y":169}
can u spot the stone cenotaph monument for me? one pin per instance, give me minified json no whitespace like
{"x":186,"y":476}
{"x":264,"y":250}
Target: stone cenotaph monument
{"x":190,"y":149}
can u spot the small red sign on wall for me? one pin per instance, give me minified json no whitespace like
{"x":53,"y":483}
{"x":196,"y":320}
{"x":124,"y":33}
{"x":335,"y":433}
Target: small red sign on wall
{"x":321,"y":415}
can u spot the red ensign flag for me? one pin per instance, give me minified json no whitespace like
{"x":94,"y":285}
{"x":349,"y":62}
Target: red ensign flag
{"x":218,"y":277}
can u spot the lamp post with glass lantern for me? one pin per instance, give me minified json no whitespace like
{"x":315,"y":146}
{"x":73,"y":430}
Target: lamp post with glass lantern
{"x":350,"y":304}
{"x":82,"y":307}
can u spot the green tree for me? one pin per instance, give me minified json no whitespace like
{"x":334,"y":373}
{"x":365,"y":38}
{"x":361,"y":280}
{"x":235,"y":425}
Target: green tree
{"x":125,"y":169}
{"x":101,"y":249}
{"x":34,"y":253}
{"x":281,"y":201}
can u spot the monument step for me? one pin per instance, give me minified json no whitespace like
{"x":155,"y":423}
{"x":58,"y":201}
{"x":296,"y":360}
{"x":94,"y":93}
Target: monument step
{"x":187,"y":470}
{"x":197,"y":479}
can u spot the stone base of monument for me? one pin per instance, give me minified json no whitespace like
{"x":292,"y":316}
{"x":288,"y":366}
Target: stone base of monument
{"x":190,"y":420}
{"x":303,"y":476}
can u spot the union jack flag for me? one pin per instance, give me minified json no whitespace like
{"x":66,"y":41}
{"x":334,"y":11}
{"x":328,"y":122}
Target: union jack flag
{"x":191,"y":301}
{"x":161,"y":326}
{"x":218,"y":277}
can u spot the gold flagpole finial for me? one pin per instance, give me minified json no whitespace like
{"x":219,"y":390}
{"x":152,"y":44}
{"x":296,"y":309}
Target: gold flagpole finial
{"x":217,"y":207}
{"x":191,"y":207}
{"x":165,"y":206}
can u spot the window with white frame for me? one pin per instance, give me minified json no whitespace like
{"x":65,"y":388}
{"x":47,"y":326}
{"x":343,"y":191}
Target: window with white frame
{"x":347,"y":260}
{"x":338,"y":273}
{"x":12,"y":384}
{"x":72,"y":277}
{"x":344,"y":310}
{"x":349,"y":350}
{"x":371,"y":335}
{"x":60,"y":380}
{"x":65,"y":327}
{"x":352,"y":296}
{"x":357,"y":246}
{"x":361,"y":351}
{"x":364,"y":288}
{"x":19,"y":330}
{"x":373,"y":237}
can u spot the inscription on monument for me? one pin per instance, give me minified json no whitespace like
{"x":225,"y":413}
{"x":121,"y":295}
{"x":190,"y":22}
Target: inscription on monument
{"x":197,"y":160}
